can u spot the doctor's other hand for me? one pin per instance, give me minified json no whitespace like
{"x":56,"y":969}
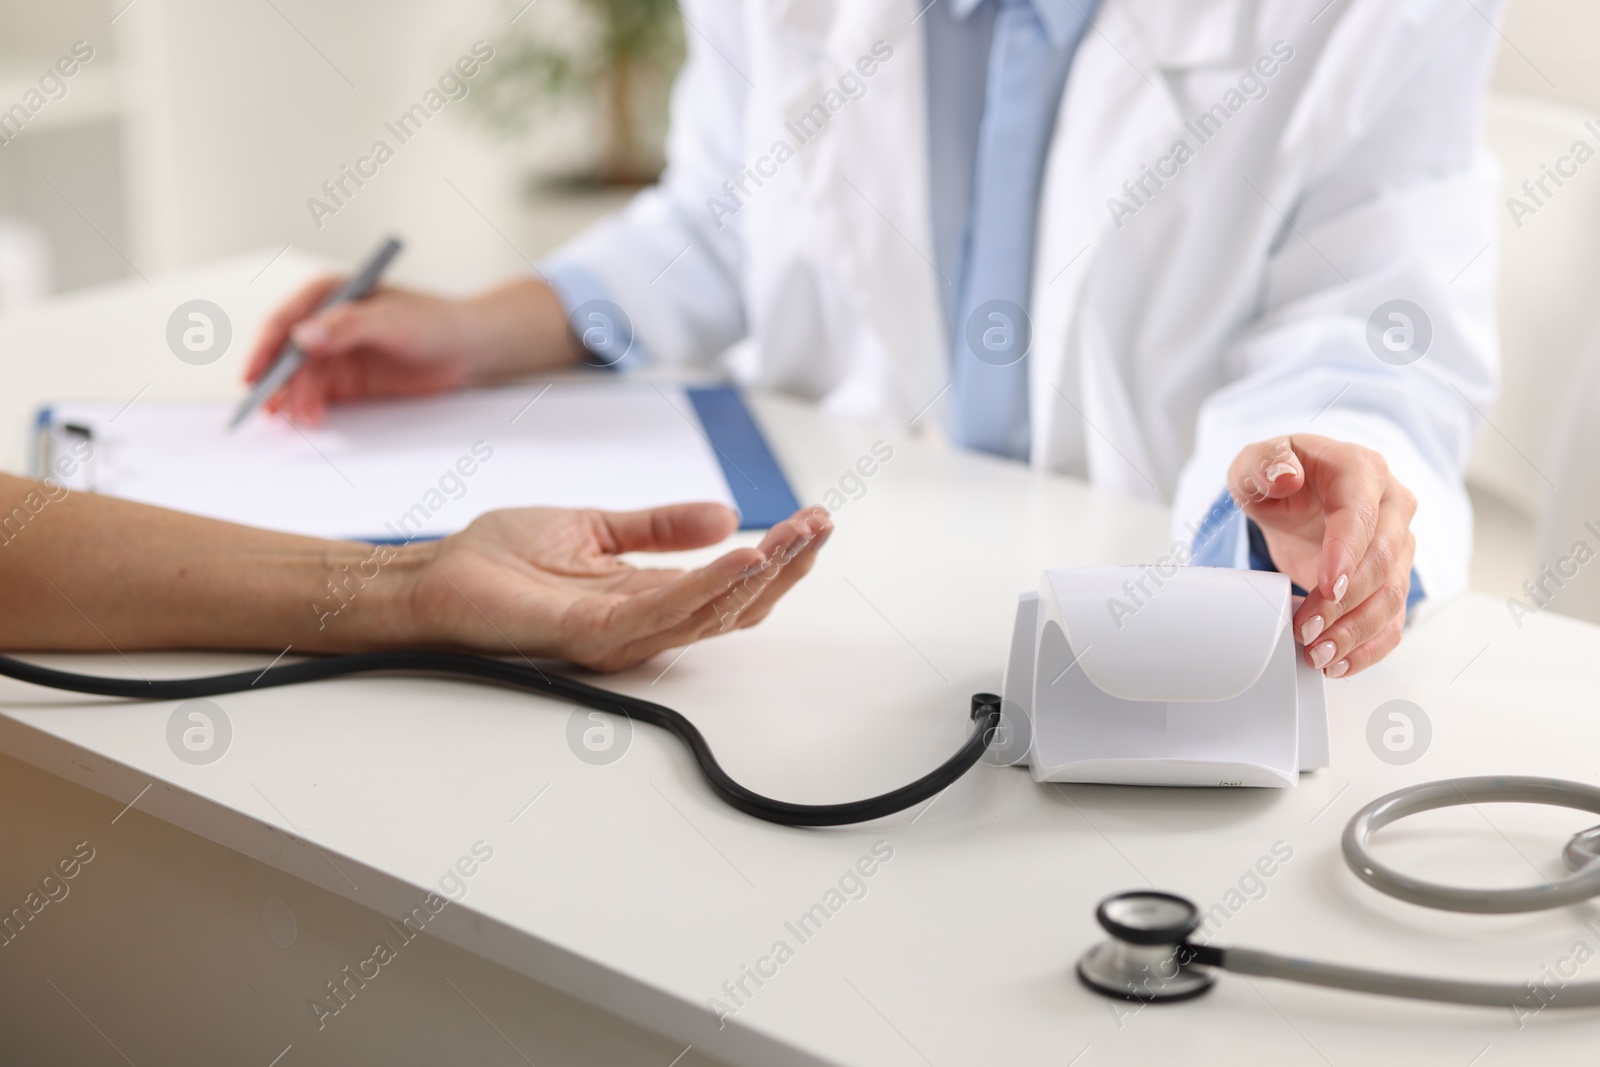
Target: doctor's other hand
{"x":1338,"y":523}
{"x":550,"y":583}
{"x":399,"y":342}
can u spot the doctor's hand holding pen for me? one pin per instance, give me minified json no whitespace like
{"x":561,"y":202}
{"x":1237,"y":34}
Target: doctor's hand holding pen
{"x":1338,"y":523}
{"x":399,"y":342}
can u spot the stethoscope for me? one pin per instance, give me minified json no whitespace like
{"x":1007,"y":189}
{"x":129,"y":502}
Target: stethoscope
{"x":1150,"y":957}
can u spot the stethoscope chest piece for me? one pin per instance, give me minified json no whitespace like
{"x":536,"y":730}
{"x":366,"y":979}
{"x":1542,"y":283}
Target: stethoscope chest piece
{"x":1151,"y":959}
{"x":1148,"y":958}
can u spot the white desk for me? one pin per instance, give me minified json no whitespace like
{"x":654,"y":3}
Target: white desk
{"x":631,"y":887}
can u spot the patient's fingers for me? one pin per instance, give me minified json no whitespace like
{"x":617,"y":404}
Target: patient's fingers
{"x":792,"y":551}
{"x":748,"y":602}
{"x":736,"y":590}
{"x":660,"y":610}
{"x":794,"y":533}
{"x":683,"y":615}
{"x":665,"y":529}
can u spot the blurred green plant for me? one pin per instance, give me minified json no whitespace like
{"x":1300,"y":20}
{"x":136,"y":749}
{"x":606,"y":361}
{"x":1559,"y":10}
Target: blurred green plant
{"x":623,"y":63}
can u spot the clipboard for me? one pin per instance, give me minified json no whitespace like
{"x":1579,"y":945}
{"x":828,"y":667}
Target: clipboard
{"x":417,"y":469}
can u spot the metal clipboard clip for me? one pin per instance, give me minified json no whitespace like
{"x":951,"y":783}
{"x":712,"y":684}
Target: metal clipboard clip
{"x":64,"y":454}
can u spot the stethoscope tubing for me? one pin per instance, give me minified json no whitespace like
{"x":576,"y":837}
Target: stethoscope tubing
{"x":1429,"y":796}
{"x":1408,"y":986}
{"x":985,"y":713}
{"x":1100,"y":971}
{"x":1583,"y":885}
{"x":1452,"y":792}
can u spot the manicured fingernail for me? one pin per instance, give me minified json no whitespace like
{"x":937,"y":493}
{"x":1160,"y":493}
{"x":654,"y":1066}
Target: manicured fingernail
{"x":1338,"y":669}
{"x":1340,"y":586}
{"x":1278,"y":470}
{"x":1310,"y":629}
{"x":1322,"y":655}
{"x":310,"y":334}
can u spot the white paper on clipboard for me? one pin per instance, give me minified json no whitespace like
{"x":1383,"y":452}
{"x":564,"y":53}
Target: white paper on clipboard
{"x":402,"y":470}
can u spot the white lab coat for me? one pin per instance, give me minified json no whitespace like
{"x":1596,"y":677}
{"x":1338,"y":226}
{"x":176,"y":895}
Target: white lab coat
{"x":1230,"y":305}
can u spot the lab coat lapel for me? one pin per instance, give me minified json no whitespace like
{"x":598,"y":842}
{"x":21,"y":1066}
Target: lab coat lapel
{"x":1117,"y":115}
{"x":866,"y":186}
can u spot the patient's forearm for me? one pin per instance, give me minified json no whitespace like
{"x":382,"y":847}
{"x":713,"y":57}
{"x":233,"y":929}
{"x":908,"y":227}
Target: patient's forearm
{"x":91,"y":573}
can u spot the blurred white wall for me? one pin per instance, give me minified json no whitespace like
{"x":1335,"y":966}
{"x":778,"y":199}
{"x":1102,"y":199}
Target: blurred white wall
{"x":1548,"y":49}
{"x":224,"y":116}
{"x":1547,"y":86}
{"x":61,"y":178}
{"x":214,"y":120}
{"x":239,"y":111}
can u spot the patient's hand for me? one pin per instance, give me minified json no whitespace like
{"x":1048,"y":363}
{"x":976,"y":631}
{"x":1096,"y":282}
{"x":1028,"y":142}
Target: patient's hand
{"x":548,"y":583}
{"x":1339,"y":525}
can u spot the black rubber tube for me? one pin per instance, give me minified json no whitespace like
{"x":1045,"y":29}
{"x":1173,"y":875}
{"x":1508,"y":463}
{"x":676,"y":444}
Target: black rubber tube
{"x":985,"y":709}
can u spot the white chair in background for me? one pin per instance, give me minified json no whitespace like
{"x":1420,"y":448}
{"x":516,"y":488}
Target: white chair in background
{"x":1536,"y":455}
{"x":1567,"y":575}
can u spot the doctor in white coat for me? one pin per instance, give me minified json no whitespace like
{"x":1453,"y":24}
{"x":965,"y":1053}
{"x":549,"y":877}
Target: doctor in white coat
{"x":1232,"y":255}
